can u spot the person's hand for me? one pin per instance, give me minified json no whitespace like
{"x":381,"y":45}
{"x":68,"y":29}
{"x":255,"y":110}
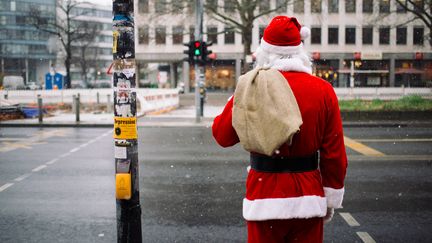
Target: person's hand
{"x":329,"y":215}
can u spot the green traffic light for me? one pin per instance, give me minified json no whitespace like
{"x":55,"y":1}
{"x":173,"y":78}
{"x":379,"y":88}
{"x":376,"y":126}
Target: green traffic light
{"x":197,"y":52}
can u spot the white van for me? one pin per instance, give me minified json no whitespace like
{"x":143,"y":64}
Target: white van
{"x":13,"y":82}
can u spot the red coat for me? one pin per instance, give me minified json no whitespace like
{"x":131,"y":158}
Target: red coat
{"x":297,"y":195}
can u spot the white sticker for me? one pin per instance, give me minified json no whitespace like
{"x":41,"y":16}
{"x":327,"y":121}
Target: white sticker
{"x":129,"y":72}
{"x":120,"y":152}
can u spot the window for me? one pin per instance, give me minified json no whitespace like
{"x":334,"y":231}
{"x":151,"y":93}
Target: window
{"x":177,"y":7}
{"x":192,"y":33}
{"x":316,"y":35}
{"x":264,"y":5}
{"x":160,"y":35}
{"x":401,"y":6}
{"x":212,"y":4}
{"x":384,"y":35}
{"x":143,"y":35}
{"x":401,"y":36}
{"x":418,"y":35}
{"x":212,"y":34}
{"x":384,"y":6}
{"x":281,"y":6}
{"x":229,"y":36}
{"x":367,"y":35}
{"x":161,"y":6}
{"x":143,"y":6}
{"x":190,"y":7}
{"x":350,"y":6}
{"x":333,"y":6}
{"x":419,"y":5}
{"x":299,"y":6}
{"x":177,"y":34}
{"x":229,"y":6}
{"x":316,"y":6}
{"x":350,"y":35}
{"x":367,"y":6}
{"x":333,"y":35}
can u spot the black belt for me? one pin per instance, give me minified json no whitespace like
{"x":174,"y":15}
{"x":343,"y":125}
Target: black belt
{"x":264,"y":163}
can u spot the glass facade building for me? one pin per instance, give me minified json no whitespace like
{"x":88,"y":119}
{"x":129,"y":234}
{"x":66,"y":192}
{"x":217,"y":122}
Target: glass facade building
{"x":24,"y":50}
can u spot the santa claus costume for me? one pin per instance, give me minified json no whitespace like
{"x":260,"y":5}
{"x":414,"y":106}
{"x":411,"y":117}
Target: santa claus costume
{"x":288,"y":205}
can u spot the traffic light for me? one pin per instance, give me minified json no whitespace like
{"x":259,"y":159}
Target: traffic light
{"x":205,"y":52}
{"x":197,"y":52}
{"x":197,"y":48}
{"x":189,"y":52}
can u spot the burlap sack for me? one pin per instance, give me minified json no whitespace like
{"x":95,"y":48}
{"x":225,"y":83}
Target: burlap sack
{"x":265,"y":114}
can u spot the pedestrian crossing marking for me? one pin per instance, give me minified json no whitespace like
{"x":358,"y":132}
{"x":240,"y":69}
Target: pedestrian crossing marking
{"x":361,"y":148}
{"x":349,"y":219}
{"x":365,"y":237}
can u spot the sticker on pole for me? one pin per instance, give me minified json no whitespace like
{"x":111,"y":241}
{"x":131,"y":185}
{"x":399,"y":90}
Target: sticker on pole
{"x":125,"y":128}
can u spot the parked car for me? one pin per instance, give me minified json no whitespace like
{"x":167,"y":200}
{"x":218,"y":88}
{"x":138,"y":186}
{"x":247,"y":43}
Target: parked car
{"x":33,"y":86}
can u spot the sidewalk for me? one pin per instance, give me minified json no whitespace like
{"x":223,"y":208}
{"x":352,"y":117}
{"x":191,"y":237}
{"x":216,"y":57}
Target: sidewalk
{"x":183,"y":116}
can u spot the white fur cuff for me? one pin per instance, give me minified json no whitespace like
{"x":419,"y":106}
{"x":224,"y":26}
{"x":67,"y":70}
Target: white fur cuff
{"x":283,"y":50}
{"x":284,"y":208}
{"x":334,"y":197}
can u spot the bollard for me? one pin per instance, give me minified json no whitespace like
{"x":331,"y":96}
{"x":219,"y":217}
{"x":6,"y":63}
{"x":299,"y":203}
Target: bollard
{"x":40,"y":108}
{"x":73,"y":103}
{"x":6,"y":96}
{"x":97,"y":98}
{"x":108,"y":103}
{"x":77,"y":108}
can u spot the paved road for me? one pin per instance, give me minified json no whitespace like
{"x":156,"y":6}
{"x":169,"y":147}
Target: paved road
{"x":57,"y":185}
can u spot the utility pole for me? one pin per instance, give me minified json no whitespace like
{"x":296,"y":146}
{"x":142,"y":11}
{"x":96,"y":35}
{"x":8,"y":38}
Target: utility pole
{"x":125,"y":124}
{"x":199,"y":67}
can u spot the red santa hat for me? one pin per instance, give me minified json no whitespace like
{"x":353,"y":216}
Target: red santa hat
{"x":283,"y":36}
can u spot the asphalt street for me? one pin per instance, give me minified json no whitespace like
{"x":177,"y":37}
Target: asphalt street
{"x":57,"y":185}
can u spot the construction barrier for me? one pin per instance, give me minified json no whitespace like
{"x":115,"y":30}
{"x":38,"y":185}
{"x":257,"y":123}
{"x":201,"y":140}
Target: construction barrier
{"x":149,"y":100}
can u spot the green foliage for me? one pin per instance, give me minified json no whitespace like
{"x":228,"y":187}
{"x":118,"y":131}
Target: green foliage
{"x":407,"y":103}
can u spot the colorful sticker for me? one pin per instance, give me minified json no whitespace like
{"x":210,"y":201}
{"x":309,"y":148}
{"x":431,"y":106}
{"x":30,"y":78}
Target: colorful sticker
{"x":125,"y":128}
{"x":115,"y":40}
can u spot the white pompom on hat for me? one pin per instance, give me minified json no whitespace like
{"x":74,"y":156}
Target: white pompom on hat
{"x":284,"y":35}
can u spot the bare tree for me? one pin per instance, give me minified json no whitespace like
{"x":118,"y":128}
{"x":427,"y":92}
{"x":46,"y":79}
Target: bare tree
{"x":237,"y":15}
{"x":68,"y":30}
{"x":240,"y":16}
{"x":420,"y":10}
{"x":84,"y":54}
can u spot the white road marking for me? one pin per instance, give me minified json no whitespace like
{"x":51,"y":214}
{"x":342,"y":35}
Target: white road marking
{"x":83,"y":145}
{"x":64,"y":155}
{"x":5,"y":186}
{"x":74,"y":150}
{"x":39,"y":168}
{"x":365,"y":237}
{"x":22,"y":177}
{"x":349,"y":219}
{"x":52,"y":161}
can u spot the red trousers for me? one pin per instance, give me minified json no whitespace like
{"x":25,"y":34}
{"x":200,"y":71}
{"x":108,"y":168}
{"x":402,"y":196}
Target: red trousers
{"x":288,"y":230}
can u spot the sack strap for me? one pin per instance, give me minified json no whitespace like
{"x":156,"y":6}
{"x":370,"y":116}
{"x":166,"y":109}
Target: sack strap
{"x":264,"y":163}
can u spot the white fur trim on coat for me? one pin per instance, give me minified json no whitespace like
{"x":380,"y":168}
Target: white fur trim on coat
{"x":292,"y":64}
{"x":284,"y":208}
{"x":334,"y":197}
{"x":284,"y":50}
